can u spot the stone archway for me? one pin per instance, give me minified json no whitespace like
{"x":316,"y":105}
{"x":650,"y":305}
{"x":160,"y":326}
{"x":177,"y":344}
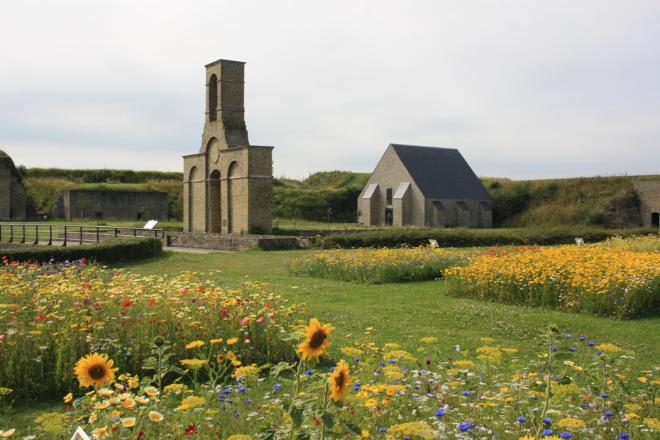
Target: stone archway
{"x":214,"y":202}
{"x":232,"y":187}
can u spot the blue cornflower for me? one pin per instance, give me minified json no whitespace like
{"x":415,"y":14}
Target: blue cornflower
{"x":227,"y":391}
{"x":235,"y":414}
{"x":242,"y":389}
{"x":357,"y":387}
{"x":332,"y":369}
{"x":566,"y":434}
{"x":591,"y":344}
{"x":586,"y":405}
{"x":392,"y":361}
{"x":465,"y":426}
{"x":546,"y":432}
{"x":608,"y":414}
{"x":573,"y":349}
{"x":604,"y":395}
{"x":599,"y":353}
{"x":382,"y":364}
{"x":521,"y":419}
{"x":624,"y":435}
{"x":309,"y":372}
{"x":277,"y":386}
{"x":582,"y":338}
{"x":382,"y":429}
{"x":547,"y":420}
{"x":407,"y":437}
{"x":357,"y":360}
{"x":247,"y":401}
{"x":554,"y":349}
{"x":440,"y":412}
{"x":467,"y":392}
{"x":221,"y":398}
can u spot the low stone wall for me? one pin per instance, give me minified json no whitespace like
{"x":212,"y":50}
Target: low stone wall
{"x":231,"y":242}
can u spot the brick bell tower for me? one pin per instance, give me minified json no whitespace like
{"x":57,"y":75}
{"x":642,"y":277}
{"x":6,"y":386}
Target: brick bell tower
{"x":228,"y":184}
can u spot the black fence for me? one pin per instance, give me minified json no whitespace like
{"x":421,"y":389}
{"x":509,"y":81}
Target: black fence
{"x":64,"y":235}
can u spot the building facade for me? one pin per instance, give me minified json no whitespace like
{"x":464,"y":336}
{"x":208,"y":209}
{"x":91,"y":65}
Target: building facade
{"x":78,"y":204}
{"x":649,"y":201}
{"x":15,"y":204}
{"x":424,"y":186}
{"x":228,"y":183}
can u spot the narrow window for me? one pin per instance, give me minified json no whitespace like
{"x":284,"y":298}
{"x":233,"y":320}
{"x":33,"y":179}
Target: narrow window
{"x":388,"y":196}
{"x":213,"y":98}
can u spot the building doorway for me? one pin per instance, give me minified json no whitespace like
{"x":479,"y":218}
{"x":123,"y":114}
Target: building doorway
{"x":214,"y":202}
{"x":655,"y":219}
{"x":389,"y":216}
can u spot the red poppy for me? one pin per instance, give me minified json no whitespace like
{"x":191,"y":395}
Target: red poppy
{"x":140,"y":435}
{"x":127,"y":303}
{"x":40,"y":317}
{"x":86,"y":285}
{"x":190,"y":430}
{"x":151,"y":302}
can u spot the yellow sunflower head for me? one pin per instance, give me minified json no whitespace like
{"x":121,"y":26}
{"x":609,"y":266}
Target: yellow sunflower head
{"x":339,"y":381}
{"x":94,"y":370}
{"x":316,"y":342}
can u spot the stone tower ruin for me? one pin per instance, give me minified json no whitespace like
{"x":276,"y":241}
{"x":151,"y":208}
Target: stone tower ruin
{"x":228,"y":184}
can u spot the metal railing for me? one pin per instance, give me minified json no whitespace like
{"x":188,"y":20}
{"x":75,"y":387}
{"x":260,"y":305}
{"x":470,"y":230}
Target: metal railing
{"x":64,"y":235}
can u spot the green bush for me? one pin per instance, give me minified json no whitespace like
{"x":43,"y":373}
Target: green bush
{"x":474,"y":237}
{"x":117,"y":251}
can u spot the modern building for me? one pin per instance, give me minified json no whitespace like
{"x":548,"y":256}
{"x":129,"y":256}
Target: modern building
{"x":424,"y":186}
{"x":228,"y":184}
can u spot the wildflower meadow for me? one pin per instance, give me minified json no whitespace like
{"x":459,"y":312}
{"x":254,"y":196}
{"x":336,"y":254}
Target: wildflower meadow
{"x":126,"y":355}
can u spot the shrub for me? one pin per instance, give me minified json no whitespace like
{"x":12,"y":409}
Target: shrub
{"x":397,"y":237}
{"x":617,"y":278}
{"x":378,"y":265}
{"x":51,"y":315}
{"x":117,"y":251}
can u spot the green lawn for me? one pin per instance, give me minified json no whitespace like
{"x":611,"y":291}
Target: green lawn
{"x":405,"y":312}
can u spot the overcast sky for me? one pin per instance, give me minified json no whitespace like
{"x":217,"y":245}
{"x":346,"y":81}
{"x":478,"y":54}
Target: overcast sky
{"x":525,"y":89}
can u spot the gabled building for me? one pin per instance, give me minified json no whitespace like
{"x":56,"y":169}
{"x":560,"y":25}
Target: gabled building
{"x":424,"y":186}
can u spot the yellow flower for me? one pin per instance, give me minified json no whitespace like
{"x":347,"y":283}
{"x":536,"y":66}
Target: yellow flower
{"x":151,"y":391}
{"x":100,"y":432}
{"x":247,"y":371}
{"x":175,"y":388}
{"x":194,"y":344}
{"x":339,"y":381}
{"x":128,"y":422}
{"x":194,"y":363}
{"x":191,"y":402}
{"x":393,"y":372}
{"x":364,"y":434}
{"x":8,"y":433}
{"x":351,"y":351}
{"x":316,"y":341}
{"x":570,"y":422}
{"x":94,"y":370}
{"x":239,"y":437}
{"x":68,"y":398}
{"x":487,"y":340}
{"x":129,"y":403}
{"x":102,"y":405}
{"x":413,"y":429}
{"x":155,"y":416}
{"x":609,"y":347}
{"x":370,"y":403}
{"x":652,"y":423}
{"x":105,"y":392}
{"x":643,"y":379}
{"x":428,"y":340}
{"x":463,"y":363}
{"x":216,"y":341}
{"x":232,"y":341}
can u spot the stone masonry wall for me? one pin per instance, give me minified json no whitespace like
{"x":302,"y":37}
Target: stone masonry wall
{"x":649,"y":198}
{"x":133,"y":205}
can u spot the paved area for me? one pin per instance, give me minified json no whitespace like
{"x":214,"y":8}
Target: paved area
{"x":190,"y":250}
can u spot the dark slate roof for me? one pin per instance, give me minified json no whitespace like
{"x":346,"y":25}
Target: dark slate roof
{"x":441,"y":173}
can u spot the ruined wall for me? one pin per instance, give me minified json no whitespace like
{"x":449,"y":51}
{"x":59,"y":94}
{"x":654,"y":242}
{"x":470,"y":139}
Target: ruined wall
{"x":129,"y":205}
{"x":649,"y":199}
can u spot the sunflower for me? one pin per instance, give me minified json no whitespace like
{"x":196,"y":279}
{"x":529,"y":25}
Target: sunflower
{"x":317,"y":340}
{"x":339,"y":381}
{"x":94,"y":370}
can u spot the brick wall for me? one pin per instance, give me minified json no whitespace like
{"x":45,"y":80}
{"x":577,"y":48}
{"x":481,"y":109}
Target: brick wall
{"x":115,"y":204}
